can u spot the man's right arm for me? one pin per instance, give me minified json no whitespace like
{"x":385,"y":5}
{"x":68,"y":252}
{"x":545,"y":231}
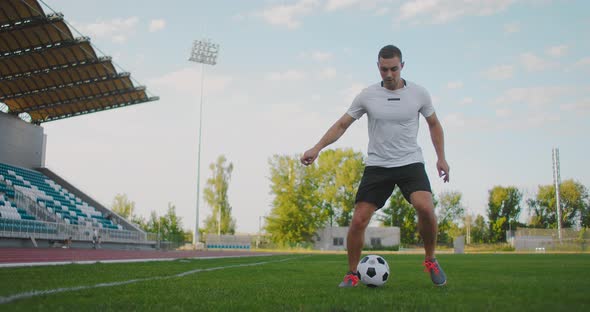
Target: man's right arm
{"x":331,"y":136}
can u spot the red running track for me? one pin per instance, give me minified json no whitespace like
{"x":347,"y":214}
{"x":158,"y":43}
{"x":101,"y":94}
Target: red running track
{"x":48,"y":255}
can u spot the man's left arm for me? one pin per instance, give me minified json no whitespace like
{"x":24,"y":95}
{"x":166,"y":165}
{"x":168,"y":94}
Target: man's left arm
{"x":438,"y":140}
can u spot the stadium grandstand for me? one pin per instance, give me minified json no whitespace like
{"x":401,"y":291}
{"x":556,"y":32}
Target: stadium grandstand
{"x":48,"y":74}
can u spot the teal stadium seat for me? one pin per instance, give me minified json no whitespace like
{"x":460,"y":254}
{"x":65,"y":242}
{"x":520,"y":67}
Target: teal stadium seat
{"x":50,"y":195}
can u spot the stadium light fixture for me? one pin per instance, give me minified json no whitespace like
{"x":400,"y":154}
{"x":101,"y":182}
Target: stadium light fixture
{"x":204,"y":52}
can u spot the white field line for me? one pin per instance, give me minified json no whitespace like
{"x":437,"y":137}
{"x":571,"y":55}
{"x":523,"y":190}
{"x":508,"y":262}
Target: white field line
{"x":30,"y":294}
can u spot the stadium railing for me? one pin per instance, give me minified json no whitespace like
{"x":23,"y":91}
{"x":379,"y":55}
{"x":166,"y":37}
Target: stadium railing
{"x":60,"y":231}
{"x":47,"y":226}
{"x":33,"y":208}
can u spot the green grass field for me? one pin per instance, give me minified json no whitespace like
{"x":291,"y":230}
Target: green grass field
{"x":481,"y":282}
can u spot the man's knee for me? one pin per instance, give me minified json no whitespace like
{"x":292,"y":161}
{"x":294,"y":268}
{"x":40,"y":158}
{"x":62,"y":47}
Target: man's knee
{"x":422,"y":202}
{"x":362,"y":215}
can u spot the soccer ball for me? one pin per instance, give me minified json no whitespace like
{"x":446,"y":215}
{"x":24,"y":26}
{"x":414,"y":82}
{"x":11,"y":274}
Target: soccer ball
{"x":373,"y":270}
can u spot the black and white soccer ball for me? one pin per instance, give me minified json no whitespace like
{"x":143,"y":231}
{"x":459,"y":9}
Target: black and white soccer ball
{"x":373,"y":270}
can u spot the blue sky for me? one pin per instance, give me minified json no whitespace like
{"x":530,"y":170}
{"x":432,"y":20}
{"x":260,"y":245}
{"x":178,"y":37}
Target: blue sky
{"x":508,"y":80}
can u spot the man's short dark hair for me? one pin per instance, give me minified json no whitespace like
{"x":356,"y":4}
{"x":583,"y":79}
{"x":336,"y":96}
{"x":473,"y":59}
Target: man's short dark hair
{"x":390,"y":51}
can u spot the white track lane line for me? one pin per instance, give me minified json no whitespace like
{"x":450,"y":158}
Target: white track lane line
{"x":35,"y":293}
{"x":49,"y":263}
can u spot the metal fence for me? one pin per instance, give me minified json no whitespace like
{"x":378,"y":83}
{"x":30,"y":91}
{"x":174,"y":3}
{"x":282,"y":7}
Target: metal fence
{"x":541,"y":240}
{"x":48,"y":226}
{"x":34,"y":209}
{"x":62,"y":231}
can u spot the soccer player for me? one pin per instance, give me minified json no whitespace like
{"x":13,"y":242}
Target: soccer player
{"x":394,"y":158}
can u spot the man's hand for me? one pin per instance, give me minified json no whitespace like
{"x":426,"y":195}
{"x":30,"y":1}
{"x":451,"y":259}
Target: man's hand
{"x":309,"y":156}
{"x":443,"y":169}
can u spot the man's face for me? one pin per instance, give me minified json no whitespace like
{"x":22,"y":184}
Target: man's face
{"x":390,"y":70}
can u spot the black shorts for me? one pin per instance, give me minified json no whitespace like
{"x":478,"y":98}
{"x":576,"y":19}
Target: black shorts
{"x":378,"y":183}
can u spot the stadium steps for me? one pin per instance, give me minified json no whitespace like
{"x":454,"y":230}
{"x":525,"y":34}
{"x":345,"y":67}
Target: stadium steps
{"x":50,"y":195}
{"x":8,"y":208}
{"x":126,"y":225}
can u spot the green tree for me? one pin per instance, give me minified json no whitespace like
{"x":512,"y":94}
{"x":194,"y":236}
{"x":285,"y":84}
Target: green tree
{"x":172,"y":224}
{"x":573,"y":201}
{"x":126,"y":209}
{"x":168,"y":226}
{"x":123,"y":206}
{"x":215,"y":195}
{"x":479,"y":230}
{"x":296,"y":214}
{"x":153,"y":223}
{"x":449,"y":210}
{"x":402,"y":214}
{"x":504,"y":206}
{"x":339,"y":173}
{"x":585,"y":216}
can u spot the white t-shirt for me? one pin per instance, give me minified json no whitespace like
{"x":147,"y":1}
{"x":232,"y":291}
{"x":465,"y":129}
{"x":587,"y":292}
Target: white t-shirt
{"x":393,"y":122}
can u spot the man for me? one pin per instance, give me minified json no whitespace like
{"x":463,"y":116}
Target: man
{"x":394,"y":158}
{"x":94,"y":238}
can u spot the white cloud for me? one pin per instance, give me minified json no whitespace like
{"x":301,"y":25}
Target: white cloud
{"x":382,"y":11}
{"x":119,"y":38}
{"x":187,"y":80}
{"x":288,"y":15}
{"x":455,"y":85}
{"x":582,"y":106}
{"x":455,"y":120}
{"x":341,"y":4}
{"x":327,"y":73}
{"x":540,"y":119}
{"x":378,"y":6}
{"x":504,"y":112}
{"x":583,"y":61}
{"x":352,"y":91}
{"x":504,"y":119}
{"x":500,"y":72}
{"x":534,"y":96}
{"x":441,"y":11}
{"x":319,"y":56}
{"x":240,"y":17}
{"x":414,"y":11}
{"x":458,"y":121}
{"x":466,"y":101}
{"x":157,"y":24}
{"x":117,"y":30}
{"x":512,"y":28}
{"x":557,"y":51}
{"x":532,"y":62}
{"x":435,"y":99}
{"x":289,"y":75}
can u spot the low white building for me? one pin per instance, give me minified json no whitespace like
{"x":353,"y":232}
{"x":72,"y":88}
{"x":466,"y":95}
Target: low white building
{"x":334,"y":238}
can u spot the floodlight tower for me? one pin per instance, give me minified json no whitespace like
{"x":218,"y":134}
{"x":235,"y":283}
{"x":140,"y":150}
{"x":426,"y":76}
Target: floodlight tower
{"x":204,"y":52}
{"x":557,"y":182}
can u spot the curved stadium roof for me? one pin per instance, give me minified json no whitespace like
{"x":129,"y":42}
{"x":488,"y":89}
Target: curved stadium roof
{"x":49,"y":74}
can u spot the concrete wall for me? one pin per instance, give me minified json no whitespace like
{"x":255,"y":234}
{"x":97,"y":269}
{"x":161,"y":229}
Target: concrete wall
{"x":21,"y":144}
{"x":330,"y":238}
{"x":524,"y":243}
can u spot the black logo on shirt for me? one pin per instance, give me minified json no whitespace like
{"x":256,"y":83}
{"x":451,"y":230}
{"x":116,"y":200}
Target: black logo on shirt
{"x":393,"y":99}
